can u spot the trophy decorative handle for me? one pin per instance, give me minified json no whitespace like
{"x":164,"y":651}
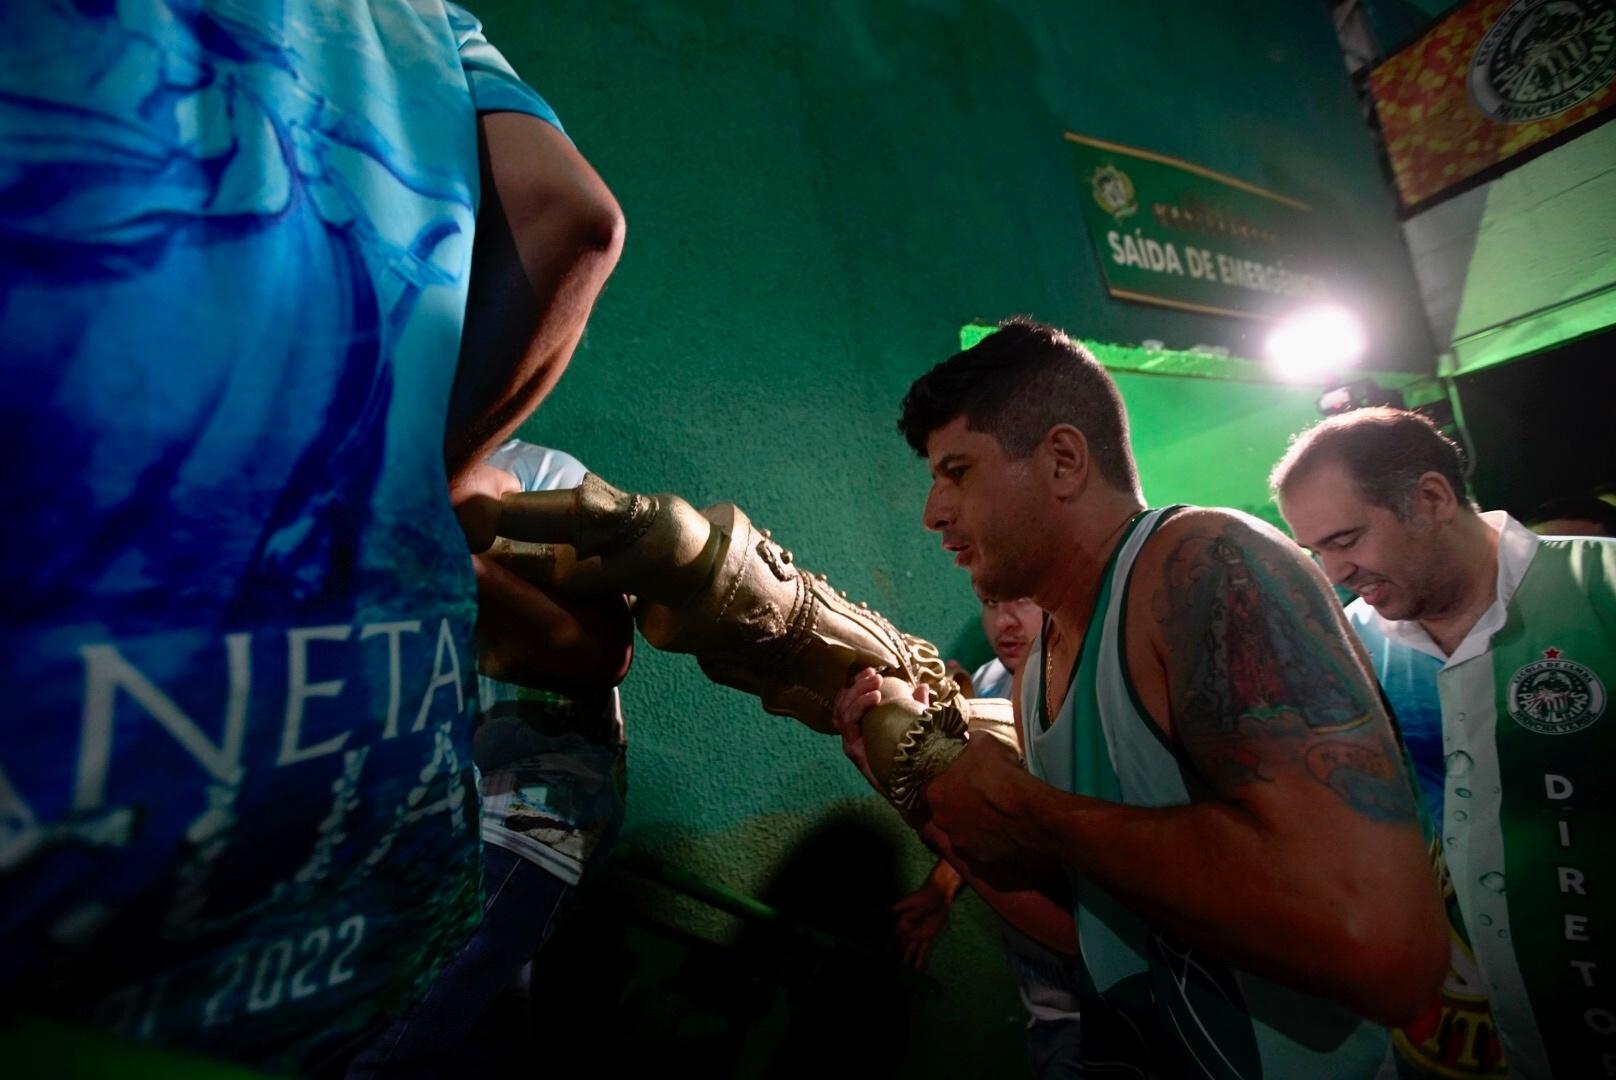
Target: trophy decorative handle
{"x":712,"y":584}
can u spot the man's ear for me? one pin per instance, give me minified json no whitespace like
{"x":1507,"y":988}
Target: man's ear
{"x":1067,"y":454}
{"x":1435,"y":498}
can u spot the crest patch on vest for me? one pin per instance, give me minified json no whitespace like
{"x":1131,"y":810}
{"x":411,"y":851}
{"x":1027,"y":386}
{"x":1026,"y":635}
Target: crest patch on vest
{"x":1555,"y":695}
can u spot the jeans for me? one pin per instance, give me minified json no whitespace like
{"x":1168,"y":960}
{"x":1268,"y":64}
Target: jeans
{"x":451,"y":1030}
{"x":1053,"y":1049}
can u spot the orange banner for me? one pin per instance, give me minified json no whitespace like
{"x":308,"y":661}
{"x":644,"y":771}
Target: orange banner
{"x":1492,"y":79}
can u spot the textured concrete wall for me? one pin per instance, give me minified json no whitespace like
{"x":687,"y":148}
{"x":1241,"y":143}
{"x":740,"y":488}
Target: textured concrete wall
{"x":819,"y":195}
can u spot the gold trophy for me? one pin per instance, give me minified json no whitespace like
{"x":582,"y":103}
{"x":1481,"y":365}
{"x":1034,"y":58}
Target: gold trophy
{"x":711,"y":584}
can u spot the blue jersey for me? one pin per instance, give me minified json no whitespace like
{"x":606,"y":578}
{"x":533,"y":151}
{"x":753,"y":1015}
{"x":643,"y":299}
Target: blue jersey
{"x":552,"y":760}
{"x":1408,"y":677}
{"x":237,"y":806}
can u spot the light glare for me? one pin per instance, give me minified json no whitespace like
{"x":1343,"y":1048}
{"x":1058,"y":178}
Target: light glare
{"x":1315,"y":343}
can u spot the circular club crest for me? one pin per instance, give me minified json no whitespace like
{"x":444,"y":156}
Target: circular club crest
{"x":1542,"y":57}
{"x":1555,"y":696}
{"x":1113,"y":190}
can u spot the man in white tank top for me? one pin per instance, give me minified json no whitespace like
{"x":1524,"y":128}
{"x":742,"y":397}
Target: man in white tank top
{"x":1209,"y":761}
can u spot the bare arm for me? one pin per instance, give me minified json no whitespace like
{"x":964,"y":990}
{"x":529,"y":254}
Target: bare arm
{"x":1042,"y":911}
{"x":526,"y":636}
{"x":922,"y":915}
{"x":1305,"y":863}
{"x":548,"y":235}
{"x":1036,"y":901}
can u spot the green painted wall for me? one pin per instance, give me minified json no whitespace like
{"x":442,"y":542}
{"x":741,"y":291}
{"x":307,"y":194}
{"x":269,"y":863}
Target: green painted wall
{"x":1525,"y":262}
{"x":1398,"y":22}
{"x":819,"y":195}
{"x":1210,"y":441}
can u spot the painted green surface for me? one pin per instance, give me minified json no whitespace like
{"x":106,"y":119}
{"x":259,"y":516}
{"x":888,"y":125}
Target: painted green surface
{"x":1543,"y":266}
{"x":819,"y":195}
{"x":36,"y":1047}
{"x":1397,"y":22}
{"x":1152,"y":361}
{"x":1212,"y":442}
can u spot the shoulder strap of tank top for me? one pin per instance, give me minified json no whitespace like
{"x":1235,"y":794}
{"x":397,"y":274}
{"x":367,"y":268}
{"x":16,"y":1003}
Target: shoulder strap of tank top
{"x":1042,"y":707}
{"x":1101,"y":678}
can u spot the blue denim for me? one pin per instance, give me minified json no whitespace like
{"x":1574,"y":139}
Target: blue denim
{"x":1054,"y":1049}
{"x":447,"y":1032}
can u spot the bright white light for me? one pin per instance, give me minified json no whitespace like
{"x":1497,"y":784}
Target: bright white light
{"x":1315,"y":343}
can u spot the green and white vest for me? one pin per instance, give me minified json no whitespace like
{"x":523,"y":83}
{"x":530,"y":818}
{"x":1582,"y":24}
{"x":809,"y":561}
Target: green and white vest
{"x":1529,"y":824}
{"x":1151,"y":1006}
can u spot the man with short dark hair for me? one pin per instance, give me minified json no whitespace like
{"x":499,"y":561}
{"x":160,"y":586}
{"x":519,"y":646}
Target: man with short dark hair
{"x":1206,"y":754}
{"x":1511,"y":641}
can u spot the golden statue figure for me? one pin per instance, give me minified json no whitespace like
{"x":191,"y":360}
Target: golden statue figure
{"x":711,"y":584}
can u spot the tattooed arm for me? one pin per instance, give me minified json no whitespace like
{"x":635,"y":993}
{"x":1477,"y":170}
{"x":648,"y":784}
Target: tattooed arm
{"x":1302,"y":859}
{"x":1272,"y":703}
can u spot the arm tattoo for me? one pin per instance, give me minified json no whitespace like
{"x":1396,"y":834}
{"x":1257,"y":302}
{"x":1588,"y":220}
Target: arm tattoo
{"x":1263,"y":679}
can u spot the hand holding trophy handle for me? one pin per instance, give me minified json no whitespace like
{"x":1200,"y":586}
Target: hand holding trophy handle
{"x":711,"y":584}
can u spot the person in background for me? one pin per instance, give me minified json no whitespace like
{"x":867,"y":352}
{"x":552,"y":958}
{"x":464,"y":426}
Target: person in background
{"x":275,"y":274}
{"x":1046,"y":980}
{"x":551,"y":755}
{"x":1010,"y":626}
{"x":1510,"y":640}
{"x":1207,"y":757}
{"x":1577,"y":515}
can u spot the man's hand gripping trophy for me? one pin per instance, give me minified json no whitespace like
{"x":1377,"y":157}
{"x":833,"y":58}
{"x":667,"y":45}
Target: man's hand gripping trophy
{"x":711,"y":584}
